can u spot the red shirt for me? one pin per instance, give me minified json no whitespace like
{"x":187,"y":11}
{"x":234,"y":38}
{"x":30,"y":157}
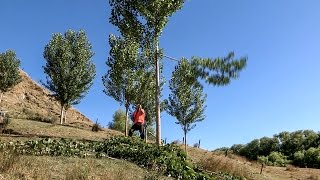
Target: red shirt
{"x":139,"y":116}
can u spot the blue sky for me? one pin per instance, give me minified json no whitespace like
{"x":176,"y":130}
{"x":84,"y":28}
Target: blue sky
{"x":278,"y":90}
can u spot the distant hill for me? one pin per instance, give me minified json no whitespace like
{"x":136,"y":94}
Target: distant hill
{"x":30,"y":100}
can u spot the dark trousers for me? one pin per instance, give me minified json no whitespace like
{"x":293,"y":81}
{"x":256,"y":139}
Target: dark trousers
{"x":137,"y":127}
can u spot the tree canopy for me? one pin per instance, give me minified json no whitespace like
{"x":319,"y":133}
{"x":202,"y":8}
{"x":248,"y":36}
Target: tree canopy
{"x":118,"y":121}
{"x":69,"y":68}
{"x":300,"y":148}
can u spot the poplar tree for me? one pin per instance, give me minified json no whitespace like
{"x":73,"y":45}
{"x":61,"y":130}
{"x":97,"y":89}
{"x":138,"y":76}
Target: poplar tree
{"x":9,"y":71}
{"x":144,"y":21}
{"x":186,"y":101}
{"x":69,"y":68}
{"x":121,"y":78}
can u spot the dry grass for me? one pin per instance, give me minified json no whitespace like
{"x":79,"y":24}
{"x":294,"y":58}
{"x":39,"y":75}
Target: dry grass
{"x":221,"y":164}
{"x":8,"y":158}
{"x":41,"y":129}
{"x":236,"y":165}
{"x":313,"y":177}
{"x":44,"y":167}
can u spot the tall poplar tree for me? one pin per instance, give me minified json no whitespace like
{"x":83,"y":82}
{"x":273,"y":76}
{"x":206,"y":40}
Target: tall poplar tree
{"x":69,"y":68}
{"x":145,"y":21}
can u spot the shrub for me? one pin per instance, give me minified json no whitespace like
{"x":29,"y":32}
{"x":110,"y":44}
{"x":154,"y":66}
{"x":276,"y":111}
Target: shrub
{"x":277,"y":159}
{"x":168,"y":159}
{"x":263,"y":160}
{"x":298,"y":158}
{"x":176,"y":142}
{"x":96,"y":127}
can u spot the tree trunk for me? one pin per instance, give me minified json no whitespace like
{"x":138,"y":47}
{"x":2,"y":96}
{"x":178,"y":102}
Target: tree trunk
{"x":157,"y":96}
{"x":65,"y":116}
{"x":145,"y":134}
{"x":126,"y":121}
{"x":262,"y":166}
{"x":1,"y":95}
{"x":185,"y":141}
{"x":61,"y":114}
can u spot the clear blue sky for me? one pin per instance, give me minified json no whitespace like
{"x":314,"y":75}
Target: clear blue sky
{"x":278,"y":91}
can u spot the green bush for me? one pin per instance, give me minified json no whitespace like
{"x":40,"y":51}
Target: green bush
{"x":168,"y":159}
{"x":277,"y":159}
{"x":298,"y":158}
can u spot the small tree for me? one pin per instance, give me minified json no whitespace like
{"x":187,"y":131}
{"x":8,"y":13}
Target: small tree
{"x":9,"y":71}
{"x":186,"y":102}
{"x":118,"y":121}
{"x":69,"y":69}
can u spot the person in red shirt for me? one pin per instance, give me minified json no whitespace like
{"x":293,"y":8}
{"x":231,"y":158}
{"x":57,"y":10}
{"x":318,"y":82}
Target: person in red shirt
{"x":138,"y":118}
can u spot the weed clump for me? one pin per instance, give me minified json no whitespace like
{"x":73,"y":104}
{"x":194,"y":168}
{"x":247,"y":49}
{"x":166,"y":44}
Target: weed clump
{"x":96,"y":127}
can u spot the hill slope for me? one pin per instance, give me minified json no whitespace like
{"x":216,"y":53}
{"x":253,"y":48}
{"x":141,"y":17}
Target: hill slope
{"x":31,"y":101}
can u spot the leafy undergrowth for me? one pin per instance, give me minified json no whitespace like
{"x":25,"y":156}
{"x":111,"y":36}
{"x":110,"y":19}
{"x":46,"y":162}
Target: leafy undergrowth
{"x":168,"y":160}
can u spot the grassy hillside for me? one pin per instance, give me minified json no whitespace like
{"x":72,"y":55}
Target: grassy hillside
{"x":44,"y":167}
{"x":240,"y":166}
{"x":30,"y":100}
{"x":15,"y":166}
{"x":29,"y":128}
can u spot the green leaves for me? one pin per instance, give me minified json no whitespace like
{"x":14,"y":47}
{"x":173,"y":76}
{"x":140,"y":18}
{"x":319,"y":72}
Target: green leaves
{"x":219,"y":71}
{"x":186,"y":101}
{"x":167,"y":159}
{"x":142,"y":20}
{"x":118,"y":121}
{"x":69,"y":67}
{"x":9,"y":71}
{"x":121,"y":77}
